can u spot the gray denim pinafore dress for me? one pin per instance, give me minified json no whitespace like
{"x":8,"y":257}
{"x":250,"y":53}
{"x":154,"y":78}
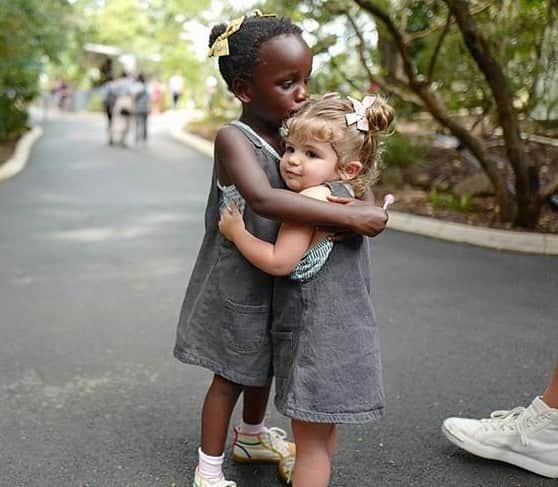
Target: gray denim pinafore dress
{"x":225,"y":320}
{"x":326,"y":355}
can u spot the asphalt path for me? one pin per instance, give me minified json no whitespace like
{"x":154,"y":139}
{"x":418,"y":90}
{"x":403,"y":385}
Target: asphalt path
{"x":96,"y":246}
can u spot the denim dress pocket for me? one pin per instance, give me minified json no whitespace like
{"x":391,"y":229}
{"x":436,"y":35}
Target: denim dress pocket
{"x":245,"y":326}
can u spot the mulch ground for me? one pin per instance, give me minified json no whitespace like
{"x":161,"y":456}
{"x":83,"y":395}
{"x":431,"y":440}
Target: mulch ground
{"x":442,"y":168}
{"x":7,"y":150}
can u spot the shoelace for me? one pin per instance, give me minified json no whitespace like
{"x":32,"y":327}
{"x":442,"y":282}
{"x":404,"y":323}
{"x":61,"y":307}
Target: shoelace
{"x":288,"y":465}
{"x":515,"y":418}
{"x":277,"y":439}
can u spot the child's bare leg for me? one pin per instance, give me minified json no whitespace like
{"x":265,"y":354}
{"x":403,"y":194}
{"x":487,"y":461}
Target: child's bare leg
{"x":313,"y":449}
{"x":254,"y":404}
{"x":550,"y":396}
{"x":216,"y":414}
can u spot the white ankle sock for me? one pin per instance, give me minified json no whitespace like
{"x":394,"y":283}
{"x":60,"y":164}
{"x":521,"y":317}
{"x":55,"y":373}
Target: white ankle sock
{"x":251,"y":429}
{"x":210,"y":467}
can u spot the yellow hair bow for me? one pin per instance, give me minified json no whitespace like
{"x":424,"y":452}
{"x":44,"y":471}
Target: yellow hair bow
{"x":221,"y":45}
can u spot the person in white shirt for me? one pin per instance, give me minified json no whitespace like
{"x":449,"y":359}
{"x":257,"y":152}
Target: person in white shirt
{"x":176,"y":85}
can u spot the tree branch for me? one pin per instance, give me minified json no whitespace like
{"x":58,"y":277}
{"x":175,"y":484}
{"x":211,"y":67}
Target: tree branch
{"x":386,"y":87}
{"x":487,"y":105}
{"x":435,"y":105}
{"x":525,"y":183}
{"x":425,"y":33}
{"x":336,"y":67}
{"x":397,"y":36}
{"x":533,"y":99}
{"x":360,"y":45}
{"x":438,"y":48}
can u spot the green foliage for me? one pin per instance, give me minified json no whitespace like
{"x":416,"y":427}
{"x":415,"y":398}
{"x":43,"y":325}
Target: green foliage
{"x":514,"y":29}
{"x":450,"y":201}
{"x":29,"y":31}
{"x":402,"y":151}
{"x":208,"y":126}
{"x":151,"y":30}
{"x":95,"y":104}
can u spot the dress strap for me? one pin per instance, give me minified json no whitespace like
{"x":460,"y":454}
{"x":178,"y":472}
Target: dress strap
{"x":254,"y":138}
{"x":340,"y":188}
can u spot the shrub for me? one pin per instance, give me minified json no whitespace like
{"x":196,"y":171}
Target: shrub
{"x":450,"y":201}
{"x":29,"y":29}
{"x":403,"y":151}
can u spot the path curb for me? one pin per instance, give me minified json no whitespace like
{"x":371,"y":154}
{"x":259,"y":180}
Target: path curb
{"x":21,"y":154}
{"x":525,"y":242}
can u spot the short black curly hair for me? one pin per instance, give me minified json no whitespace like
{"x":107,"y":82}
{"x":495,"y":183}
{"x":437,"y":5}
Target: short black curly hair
{"x":245,"y":43}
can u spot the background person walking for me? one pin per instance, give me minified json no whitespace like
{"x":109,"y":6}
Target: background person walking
{"x":142,"y":107}
{"x":122,"y":110}
{"x":176,"y":86}
{"x":108,"y":98}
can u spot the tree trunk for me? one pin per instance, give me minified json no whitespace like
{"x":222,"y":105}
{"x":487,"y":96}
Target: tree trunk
{"x":432,"y":103}
{"x":496,"y":174}
{"x":526,"y":175}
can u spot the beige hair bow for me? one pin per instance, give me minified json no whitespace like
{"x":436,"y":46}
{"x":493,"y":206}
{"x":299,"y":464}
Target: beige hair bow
{"x":359,"y":115}
{"x":221,"y":45}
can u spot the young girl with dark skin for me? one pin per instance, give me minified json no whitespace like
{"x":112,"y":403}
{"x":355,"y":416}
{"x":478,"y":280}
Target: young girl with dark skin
{"x":224,"y":322}
{"x":325,"y":360}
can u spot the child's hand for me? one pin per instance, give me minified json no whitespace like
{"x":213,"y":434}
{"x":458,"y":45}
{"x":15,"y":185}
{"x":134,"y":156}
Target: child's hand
{"x":369,"y":220}
{"x":231,"y":222}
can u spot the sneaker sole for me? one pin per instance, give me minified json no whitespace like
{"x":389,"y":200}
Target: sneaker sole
{"x":284,"y":478}
{"x":513,"y":458}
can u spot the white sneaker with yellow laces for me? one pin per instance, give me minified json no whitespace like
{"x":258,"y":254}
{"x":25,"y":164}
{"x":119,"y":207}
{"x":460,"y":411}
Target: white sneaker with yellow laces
{"x":269,"y":446}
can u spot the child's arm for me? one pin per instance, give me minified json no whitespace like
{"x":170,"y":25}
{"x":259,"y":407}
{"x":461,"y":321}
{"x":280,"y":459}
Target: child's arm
{"x":236,"y":157}
{"x":279,"y":259}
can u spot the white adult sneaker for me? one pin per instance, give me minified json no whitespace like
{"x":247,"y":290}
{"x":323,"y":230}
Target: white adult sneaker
{"x":200,"y":481}
{"x":525,"y":437}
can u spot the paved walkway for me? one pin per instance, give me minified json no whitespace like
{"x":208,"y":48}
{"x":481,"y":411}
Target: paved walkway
{"x":96,"y":245}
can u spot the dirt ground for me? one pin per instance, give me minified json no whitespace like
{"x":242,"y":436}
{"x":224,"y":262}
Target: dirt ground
{"x":6,"y":150}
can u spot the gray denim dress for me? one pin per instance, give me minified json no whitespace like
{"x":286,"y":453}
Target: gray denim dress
{"x":326,"y":356}
{"x":225,"y":319}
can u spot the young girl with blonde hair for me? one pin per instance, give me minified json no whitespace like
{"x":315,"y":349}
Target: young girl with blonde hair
{"x":326,"y":357}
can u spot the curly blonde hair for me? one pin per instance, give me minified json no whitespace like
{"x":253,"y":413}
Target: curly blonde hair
{"x":323,"y":119}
